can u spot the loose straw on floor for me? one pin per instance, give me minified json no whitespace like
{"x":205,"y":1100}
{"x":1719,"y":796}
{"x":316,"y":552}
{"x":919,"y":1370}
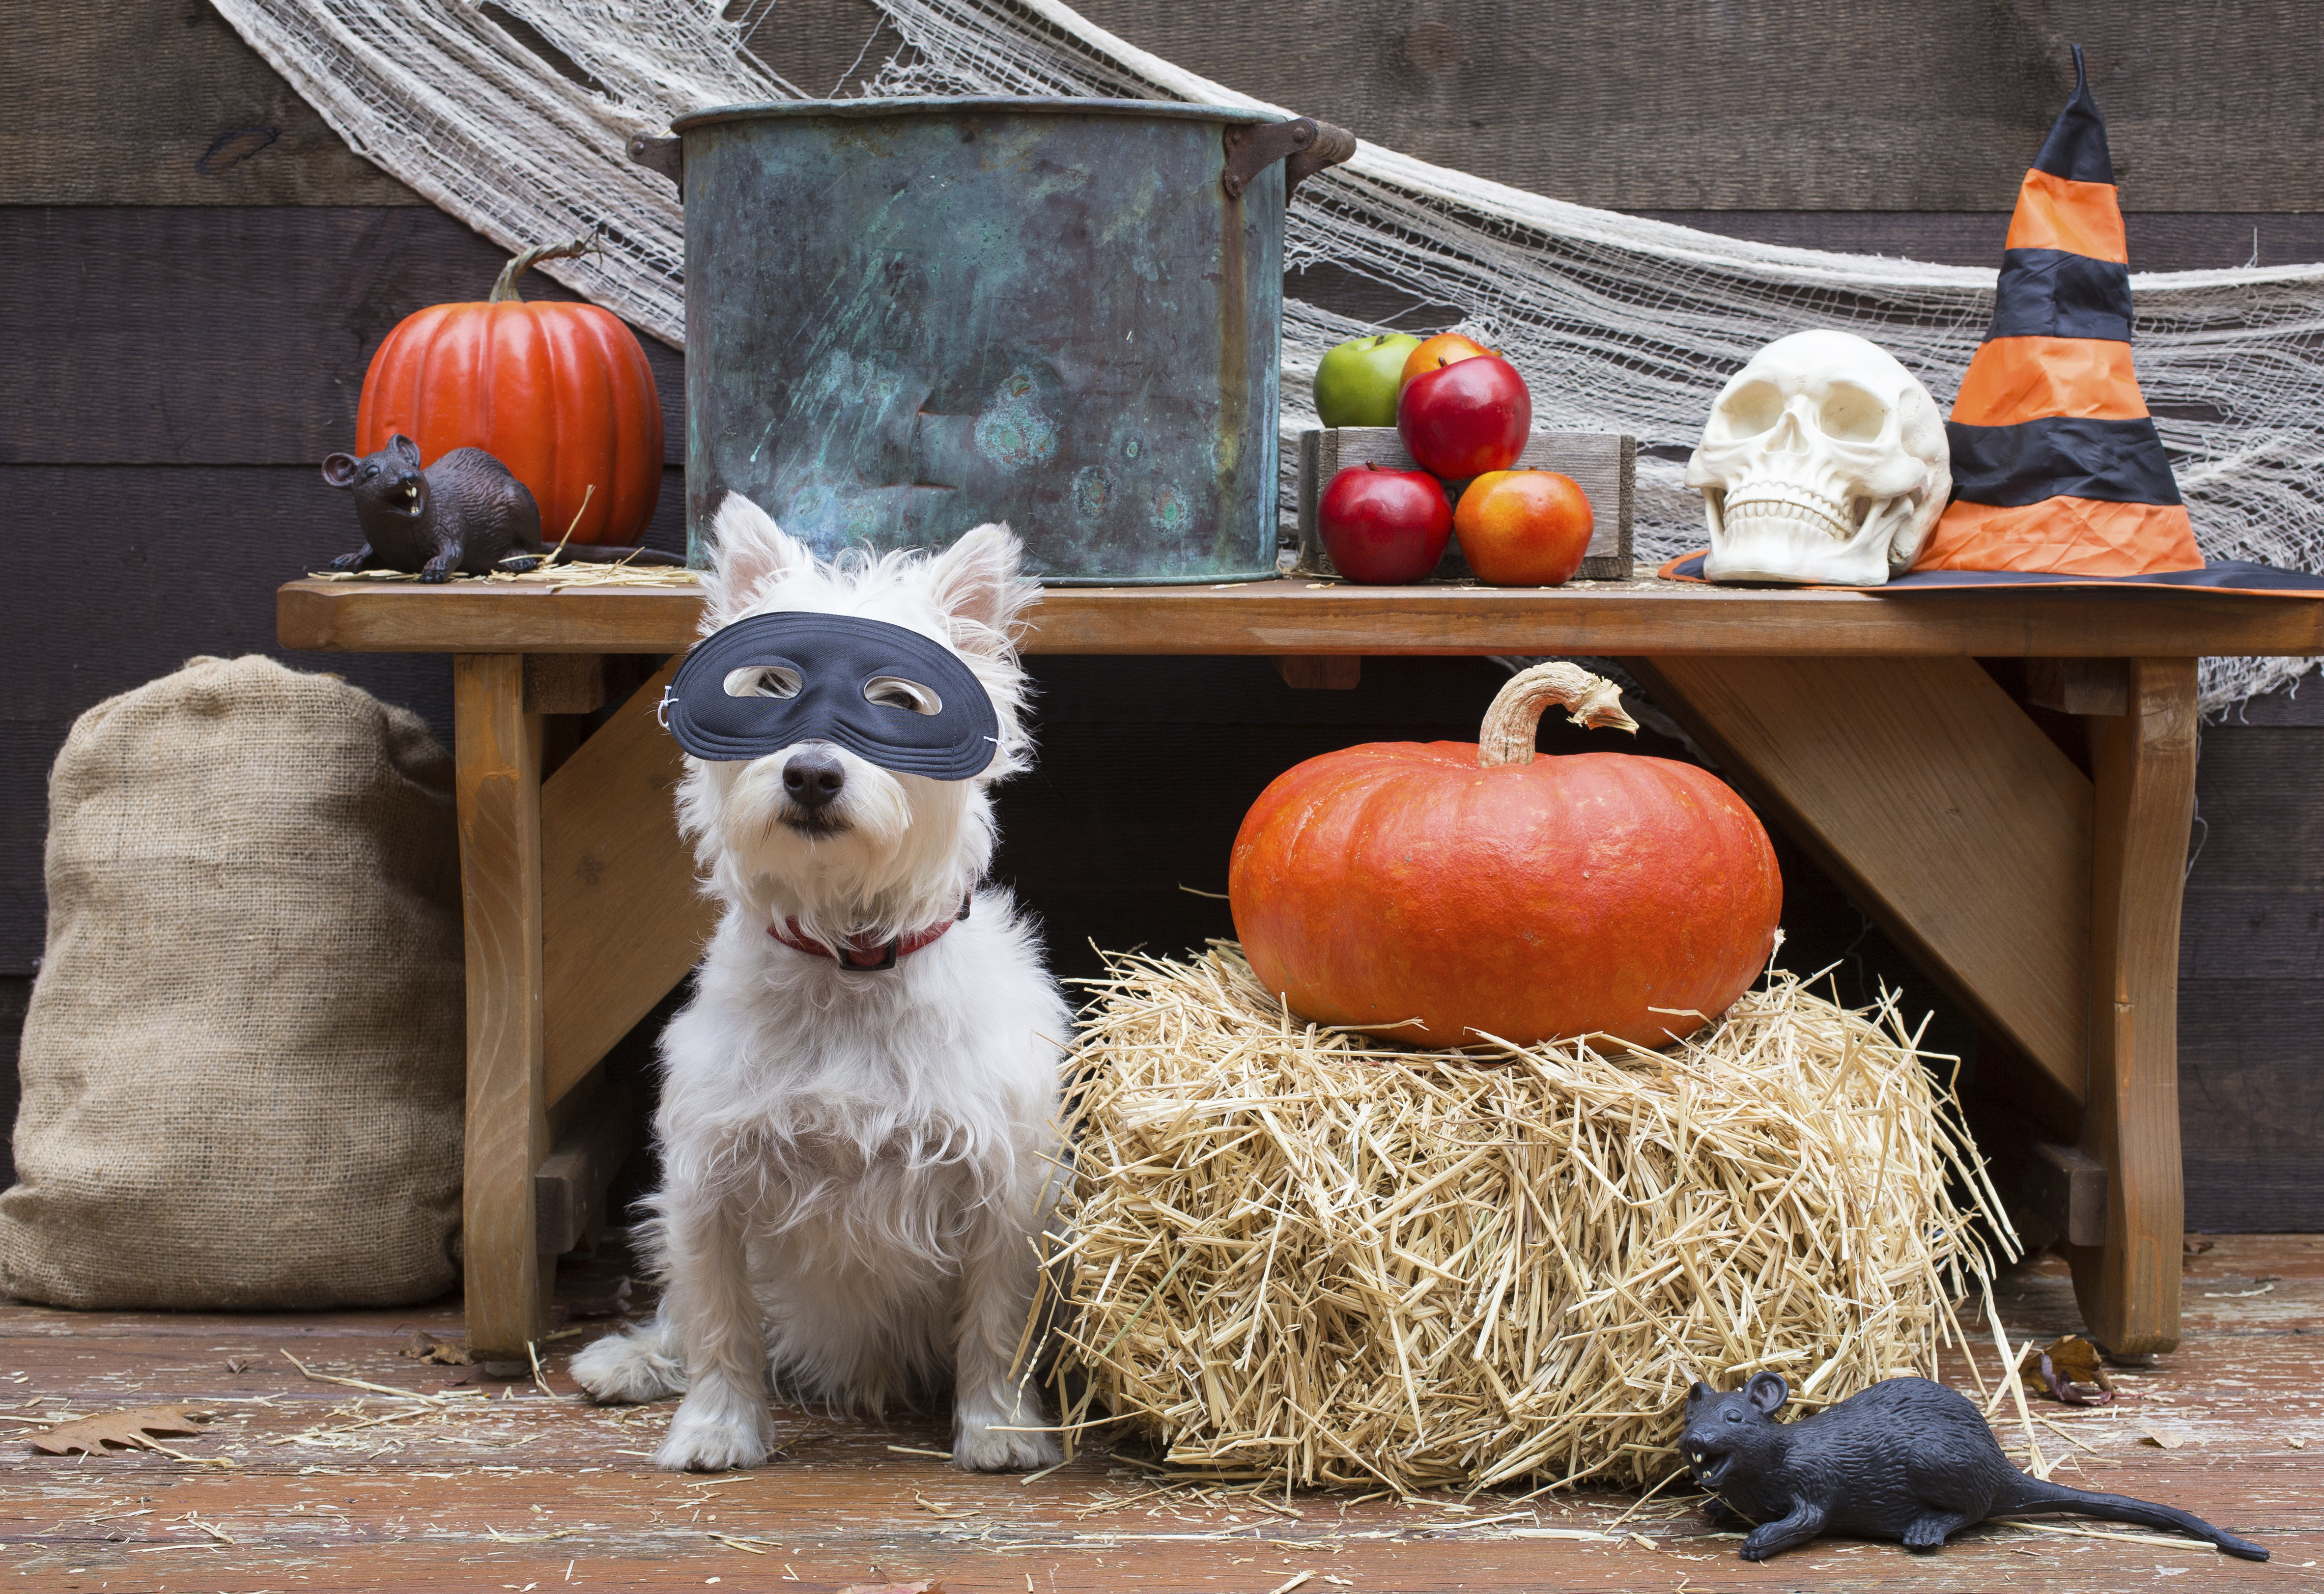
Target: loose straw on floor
{"x":1300,"y":1257}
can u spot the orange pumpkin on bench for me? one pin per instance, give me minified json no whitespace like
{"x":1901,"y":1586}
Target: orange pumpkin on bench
{"x":560,"y":393}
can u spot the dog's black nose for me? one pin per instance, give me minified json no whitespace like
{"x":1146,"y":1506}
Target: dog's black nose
{"x":812,"y":778}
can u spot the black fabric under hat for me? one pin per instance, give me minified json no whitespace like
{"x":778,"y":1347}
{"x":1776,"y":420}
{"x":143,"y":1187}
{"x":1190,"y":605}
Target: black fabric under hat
{"x":836,"y":658}
{"x":2222,"y":576}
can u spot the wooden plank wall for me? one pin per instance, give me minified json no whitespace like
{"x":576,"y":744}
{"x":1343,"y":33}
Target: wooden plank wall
{"x":2251,"y":971}
{"x":194,"y":270}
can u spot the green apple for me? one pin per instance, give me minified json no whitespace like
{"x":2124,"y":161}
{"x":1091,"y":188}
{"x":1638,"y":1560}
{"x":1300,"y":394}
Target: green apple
{"x":1355,"y":383}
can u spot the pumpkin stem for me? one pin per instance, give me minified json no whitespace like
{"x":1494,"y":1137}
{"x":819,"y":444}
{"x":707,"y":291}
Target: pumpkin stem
{"x":1511,"y":723}
{"x":505,"y":291}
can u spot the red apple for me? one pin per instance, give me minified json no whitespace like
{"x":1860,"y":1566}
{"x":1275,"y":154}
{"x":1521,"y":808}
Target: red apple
{"x":1465,"y":418}
{"x":1524,"y":527}
{"x":1384,"y":527}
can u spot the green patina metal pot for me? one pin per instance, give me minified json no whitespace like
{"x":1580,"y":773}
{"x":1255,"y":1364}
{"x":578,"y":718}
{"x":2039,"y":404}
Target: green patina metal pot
{"x":906,"y":317}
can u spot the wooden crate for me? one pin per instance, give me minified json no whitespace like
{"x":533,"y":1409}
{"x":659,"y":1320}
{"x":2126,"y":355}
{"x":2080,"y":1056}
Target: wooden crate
{"x":1601,"y":464}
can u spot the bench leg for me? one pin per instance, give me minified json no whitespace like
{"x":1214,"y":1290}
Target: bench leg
{"x":498,"y":753}
{"x":2143,"y":762}
{"x":622,"y":917}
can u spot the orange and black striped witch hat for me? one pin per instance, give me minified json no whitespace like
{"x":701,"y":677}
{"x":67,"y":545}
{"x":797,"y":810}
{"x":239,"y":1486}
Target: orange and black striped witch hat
{"x":2057,"y":466}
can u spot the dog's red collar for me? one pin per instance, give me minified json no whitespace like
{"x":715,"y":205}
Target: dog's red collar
{"x":862,"y":956}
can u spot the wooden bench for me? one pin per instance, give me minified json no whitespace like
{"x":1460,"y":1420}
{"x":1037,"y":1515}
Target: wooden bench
{"x":2044,"y":900}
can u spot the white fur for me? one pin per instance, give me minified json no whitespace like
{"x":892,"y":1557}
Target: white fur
{"x":855,"y":1164}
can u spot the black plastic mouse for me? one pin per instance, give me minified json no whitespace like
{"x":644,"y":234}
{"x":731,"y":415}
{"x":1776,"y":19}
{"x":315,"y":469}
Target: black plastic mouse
{"x":464,"y":512}
{"x":1906,"y":1460}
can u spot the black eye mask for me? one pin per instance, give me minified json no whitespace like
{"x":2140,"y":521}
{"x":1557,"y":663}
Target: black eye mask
{"x":837,"y":678}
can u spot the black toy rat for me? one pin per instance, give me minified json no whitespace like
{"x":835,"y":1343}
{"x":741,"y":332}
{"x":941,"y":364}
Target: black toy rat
{"x":1906,"y":1460}
{"x":464,"y":512}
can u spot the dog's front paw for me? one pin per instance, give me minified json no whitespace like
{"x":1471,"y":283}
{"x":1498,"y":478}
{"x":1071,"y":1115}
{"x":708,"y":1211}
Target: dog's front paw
{"x":716,"y":1434}
{"x":979,"y":1449}
{"x":628,"y":1367}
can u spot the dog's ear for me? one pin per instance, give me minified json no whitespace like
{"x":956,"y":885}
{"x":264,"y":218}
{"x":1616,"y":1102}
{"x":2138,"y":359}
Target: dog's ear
{"x":747,"y":550}
{"x":975,"y":580}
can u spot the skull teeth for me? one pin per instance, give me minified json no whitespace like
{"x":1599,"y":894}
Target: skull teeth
{"x":1801,"y":509}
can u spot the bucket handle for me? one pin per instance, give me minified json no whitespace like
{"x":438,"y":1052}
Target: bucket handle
{"x":665,"y":155}
{"x":1304,"y":144}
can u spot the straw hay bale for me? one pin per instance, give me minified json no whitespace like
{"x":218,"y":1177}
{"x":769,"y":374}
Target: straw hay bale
{"x":1299,"y":1256}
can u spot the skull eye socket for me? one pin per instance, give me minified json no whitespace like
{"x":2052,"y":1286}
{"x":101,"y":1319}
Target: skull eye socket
{"x":763,"y":680}
{"x":1851,"y":415}
{"x":1752,"y":408}
{"x":896,"y":692}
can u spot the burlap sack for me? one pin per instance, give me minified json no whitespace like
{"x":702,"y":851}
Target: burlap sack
{"x":242,"y":1065}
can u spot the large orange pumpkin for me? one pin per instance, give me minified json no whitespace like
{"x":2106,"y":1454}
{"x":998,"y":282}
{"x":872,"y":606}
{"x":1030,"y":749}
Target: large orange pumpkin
{"x":1490,"y":891}
{"x":560,"y":393}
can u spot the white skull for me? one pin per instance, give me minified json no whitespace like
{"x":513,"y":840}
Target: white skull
{"x":1823,"y":460}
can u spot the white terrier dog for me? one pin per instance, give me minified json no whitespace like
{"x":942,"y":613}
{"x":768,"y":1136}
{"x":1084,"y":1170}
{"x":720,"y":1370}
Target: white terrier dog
{"x":856,"y":1158}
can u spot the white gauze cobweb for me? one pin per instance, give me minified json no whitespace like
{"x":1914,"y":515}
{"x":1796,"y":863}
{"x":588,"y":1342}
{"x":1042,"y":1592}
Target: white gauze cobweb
{"x":1620,"y":324}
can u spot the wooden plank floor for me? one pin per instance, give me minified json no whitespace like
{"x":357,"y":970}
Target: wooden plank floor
{"x":501,"y":1485}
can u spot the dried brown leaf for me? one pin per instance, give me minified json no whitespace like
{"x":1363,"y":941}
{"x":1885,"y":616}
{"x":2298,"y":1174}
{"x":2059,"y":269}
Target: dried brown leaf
{"x":2162,"y":1441}
{"x":2077,"y":1359}
{"x":129,"y":1429}
{"x":2064,"y":1364}
{"x":424,"y":1346}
